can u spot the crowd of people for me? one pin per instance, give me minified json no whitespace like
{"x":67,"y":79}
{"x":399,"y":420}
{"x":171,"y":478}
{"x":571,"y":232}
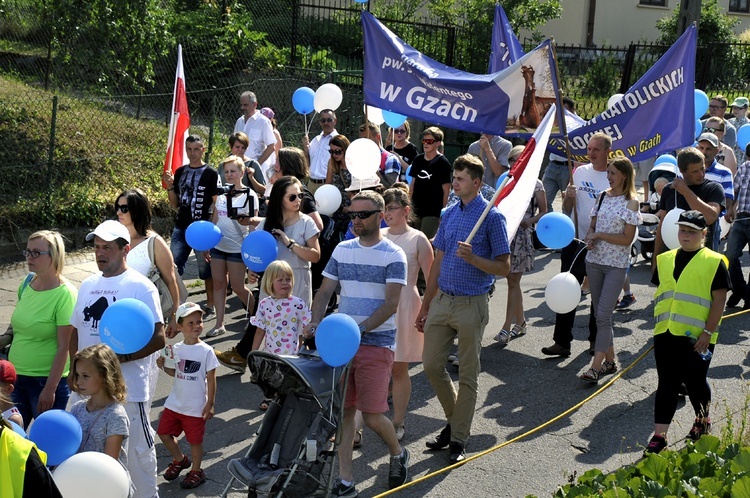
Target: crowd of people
{"x":395,"y":256}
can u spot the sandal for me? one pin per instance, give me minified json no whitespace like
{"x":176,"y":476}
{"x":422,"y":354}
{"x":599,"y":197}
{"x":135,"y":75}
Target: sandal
{"x":590,"y":375}
{"x":357,"y":443}
{"x":175,"y":468}
{"x":518,"y":330}
{"x":608,"y":367}
{"x":193,"y":479}
{"x":263,"y":406}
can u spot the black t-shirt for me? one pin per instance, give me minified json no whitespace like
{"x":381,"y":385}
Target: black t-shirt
{"x":721,"y":278}
{"x":195,"y":189}
{"x":308,"y":202}
{"x":429,"y":178}
{"x":409,"y":153}
{"x":708,"y":191}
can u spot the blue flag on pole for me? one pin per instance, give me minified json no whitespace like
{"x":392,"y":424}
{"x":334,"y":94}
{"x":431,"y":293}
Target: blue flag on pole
{"x":506,"y":49}
{"x":657,"y":114}
{"x":400,"y":79}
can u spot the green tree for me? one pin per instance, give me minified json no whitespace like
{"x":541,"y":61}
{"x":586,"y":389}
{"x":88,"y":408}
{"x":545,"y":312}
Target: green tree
{"x":715,"y":25}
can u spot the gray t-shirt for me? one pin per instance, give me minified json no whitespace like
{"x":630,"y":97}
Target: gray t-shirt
{"x":98,"y":426}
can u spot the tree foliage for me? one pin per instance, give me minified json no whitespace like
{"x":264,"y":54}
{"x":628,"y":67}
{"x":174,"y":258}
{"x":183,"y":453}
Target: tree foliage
{"x":715,"y":25}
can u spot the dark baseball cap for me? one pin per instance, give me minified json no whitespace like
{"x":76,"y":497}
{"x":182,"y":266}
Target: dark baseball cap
{"x":693,"y":219}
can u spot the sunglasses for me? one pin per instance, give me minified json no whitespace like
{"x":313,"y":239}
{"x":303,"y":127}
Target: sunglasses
{"x":428,"y":141}
{"x":399,"y":131}
{"x":294,"y":197}
{"x":325,"y":120}
{"x":717,"y":107}
{"x":362,"y":215}
{"x":34,"y":254}
{"x":713,"y":130}
{"x":123,"y":208}
{"x":336,"y":152}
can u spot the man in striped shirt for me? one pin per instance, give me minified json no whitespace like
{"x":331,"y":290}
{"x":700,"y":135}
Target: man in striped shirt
{"x":371,"y":271}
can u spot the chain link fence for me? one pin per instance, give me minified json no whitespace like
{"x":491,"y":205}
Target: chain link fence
{"x":85,"y":96}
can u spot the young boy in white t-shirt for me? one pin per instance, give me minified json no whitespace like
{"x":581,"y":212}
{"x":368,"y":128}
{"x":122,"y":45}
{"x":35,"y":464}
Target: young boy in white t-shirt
{"x":191,"y":402}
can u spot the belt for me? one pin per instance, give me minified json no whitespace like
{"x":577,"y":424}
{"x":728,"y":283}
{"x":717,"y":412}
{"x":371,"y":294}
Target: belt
{"x":315,"y":180}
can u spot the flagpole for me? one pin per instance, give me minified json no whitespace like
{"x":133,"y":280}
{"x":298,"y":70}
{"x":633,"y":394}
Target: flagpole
{"x":564,"y":130}
{"x":172,"y":121}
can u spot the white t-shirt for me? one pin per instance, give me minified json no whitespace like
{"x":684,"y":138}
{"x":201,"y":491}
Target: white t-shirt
{"x":319,"y":155}
{"x":589,"y":183}
{"x":232,"y":233}
{"x":94,"y":297}
{"x":190,"y":390}
{"x":259,"y":130}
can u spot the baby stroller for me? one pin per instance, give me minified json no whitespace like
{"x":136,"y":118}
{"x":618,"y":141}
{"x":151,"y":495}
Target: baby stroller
{"x":291,"y":451}
{"x":645,"y":238}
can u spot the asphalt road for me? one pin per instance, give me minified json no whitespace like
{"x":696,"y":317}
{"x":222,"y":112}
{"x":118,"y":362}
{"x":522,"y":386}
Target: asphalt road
{"x":519,"y":390}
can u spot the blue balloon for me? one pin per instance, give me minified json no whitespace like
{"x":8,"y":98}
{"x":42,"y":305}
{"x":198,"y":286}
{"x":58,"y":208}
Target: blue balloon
{"x":666,"y":158}
{"x":500,"y":180}
{"x":408,"y":176}
{"x":698,"y":128}
{"x":361,"y":1}
{"x":57,"y":433}
{"x":126,"y":326}
{"x":393,"y":119}
{"x":303,"y":100}
{"x":701,"y":103}
{"x":555,"y":230}
{"x":259,"y":249}
{"x":202,"y":235}
{"x":743,"y":136}
{"x":337,"y":339}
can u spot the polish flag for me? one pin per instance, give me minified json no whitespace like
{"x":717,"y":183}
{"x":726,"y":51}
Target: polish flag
{"x":179,"y":124}
{"x":513,"y":197}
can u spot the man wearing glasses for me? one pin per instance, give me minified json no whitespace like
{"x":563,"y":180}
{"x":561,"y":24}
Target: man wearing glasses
{"x":718,"y":107}
{"x":493,"y":150}
{"x":317,"y":149}
{"x":456,"y":301}
{"x":371,"y":271}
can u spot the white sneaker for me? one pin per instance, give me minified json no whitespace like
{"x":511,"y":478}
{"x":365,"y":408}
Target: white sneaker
{"x":216,"y":331}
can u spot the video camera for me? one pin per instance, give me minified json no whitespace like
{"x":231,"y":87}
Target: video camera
{"x":248,"y":206}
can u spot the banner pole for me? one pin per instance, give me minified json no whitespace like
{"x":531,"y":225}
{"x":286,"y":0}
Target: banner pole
{"x":564,"y":130}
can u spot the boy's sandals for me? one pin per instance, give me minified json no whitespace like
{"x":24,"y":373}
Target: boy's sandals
{"x":590,"y":375}
{"x":175,"y":468}
{"x":193,"y":479}
{"x":357,"y":439}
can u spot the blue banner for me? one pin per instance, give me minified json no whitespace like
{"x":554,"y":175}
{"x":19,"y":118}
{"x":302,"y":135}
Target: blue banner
{"x":506,"y":49}
{"x":400,"y":79}
{"x":656,"y":114}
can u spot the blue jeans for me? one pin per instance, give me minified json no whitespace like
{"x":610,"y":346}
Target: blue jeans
{"x":739,"y":237}
{"x":556,"y":178}
{"x":26,"y":395}
{"x":181,"y":252}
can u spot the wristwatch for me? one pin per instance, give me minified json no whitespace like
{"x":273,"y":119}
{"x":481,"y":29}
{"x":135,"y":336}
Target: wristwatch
{"x":362,"y":329}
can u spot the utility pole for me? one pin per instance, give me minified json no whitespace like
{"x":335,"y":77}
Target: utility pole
{"x":690,"y":12}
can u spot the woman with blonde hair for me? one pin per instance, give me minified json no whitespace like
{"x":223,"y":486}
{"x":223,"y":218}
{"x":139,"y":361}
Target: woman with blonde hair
{"x":40,"y":329}
{"x":614,"y":220}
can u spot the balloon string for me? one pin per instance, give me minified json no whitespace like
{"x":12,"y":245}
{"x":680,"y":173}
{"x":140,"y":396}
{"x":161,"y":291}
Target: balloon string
{"x":579,"y":252}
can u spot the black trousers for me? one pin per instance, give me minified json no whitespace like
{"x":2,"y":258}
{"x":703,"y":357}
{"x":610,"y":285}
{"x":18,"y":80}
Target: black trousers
{"x":564,"y":322}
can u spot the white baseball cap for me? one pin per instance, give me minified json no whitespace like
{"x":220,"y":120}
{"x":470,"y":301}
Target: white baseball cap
{"x":110,"y":230}
{"x":185,"y":309}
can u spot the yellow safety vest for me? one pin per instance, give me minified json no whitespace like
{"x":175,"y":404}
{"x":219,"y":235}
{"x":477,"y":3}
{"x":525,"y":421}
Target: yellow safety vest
{"x":14,"y":451}
{"x":682,"y":306}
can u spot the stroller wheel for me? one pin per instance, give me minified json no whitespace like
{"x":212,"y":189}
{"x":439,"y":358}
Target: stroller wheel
{"x":646,"y":253}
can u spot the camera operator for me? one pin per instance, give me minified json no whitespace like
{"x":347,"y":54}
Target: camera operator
{"x":233,"y":215}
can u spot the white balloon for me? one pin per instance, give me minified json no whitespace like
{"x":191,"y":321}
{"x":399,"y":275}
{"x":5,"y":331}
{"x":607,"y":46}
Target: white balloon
{"x":328,"y":96}
{"x":363,"y":158}
{"x":374,"y":115}
{"x":91,"y":475}
{"x":725,"y":226}
{"x":614,"y":99}
{"x":563,"y":293}
{"x":669,"y":228}
{"x":328,"y":198}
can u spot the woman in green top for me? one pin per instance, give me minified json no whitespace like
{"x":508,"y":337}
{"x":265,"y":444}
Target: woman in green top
{"x":40,"y":329}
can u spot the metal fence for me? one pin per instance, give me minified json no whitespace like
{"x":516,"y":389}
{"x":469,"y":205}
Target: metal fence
{"x":49,"y":86}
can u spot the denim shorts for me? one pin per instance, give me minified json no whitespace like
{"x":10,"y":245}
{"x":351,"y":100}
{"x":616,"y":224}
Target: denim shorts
{"x":26,"y":393}
{"x":181,"y":252}
{"x":232,"y":257}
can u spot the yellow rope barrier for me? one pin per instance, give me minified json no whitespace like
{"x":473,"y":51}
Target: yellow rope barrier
{"x":537,"y":428}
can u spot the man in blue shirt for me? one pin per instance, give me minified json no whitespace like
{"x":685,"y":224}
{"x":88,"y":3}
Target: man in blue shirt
{"x":456,"y":301}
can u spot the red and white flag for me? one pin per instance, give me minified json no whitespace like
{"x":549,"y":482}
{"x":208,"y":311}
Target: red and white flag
{"x":179,"y":124}
{"x":512,"y":199}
